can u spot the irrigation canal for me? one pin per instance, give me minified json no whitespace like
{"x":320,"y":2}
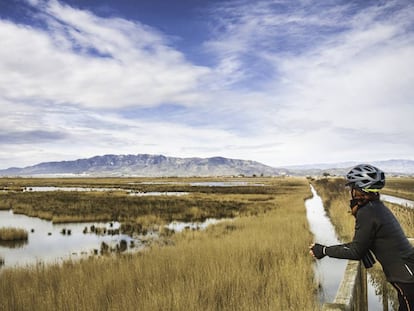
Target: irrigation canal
{"x":396,"y":200}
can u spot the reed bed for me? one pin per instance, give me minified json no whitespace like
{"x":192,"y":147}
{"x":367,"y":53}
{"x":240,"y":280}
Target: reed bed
{"x":405,"y":216}
{"x":73,"y":206}
{"x":13,"y":234}
{"x":201,"y":203}
{"x":255,"y":262}
{"x":144,"y":184}
{"x":402,"y":187}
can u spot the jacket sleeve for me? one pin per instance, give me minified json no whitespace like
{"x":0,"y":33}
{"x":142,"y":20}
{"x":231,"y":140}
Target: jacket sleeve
{"x":363,"y":237}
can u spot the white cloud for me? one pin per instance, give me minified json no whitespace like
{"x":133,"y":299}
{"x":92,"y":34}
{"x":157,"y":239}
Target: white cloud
{"x":294,"y":82}
{"x":92,"y":61}
{"x":356,"y":73}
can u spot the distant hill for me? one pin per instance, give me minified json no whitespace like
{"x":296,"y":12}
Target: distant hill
{"x":147,"y":165}
{"x":393,"y":167}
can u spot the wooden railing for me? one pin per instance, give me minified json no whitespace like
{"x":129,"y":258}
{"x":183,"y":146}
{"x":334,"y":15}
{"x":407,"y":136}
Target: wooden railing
{"x":352,"y":293}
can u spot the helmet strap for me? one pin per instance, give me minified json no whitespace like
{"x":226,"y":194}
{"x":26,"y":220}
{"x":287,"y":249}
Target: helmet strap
{"x":361,"y":198}
{"x":354,"y":210}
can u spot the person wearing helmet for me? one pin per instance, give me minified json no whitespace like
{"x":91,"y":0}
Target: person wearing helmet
{"x":377,"y":231}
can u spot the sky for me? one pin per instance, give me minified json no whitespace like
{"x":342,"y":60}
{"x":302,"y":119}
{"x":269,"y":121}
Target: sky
{"x":281,"y":82}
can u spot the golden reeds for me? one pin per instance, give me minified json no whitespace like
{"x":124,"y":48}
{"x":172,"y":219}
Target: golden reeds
{"x":257,"y":262}
{"x":402,"y":187}
{"x":13,"y":234}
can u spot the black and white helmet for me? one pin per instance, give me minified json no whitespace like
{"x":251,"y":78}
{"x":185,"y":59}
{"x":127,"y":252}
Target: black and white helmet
{"x":365,"y":177}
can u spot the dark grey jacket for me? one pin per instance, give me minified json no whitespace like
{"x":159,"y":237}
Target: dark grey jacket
{"x":378,"y":230}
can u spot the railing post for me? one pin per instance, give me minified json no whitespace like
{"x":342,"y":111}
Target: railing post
{"x":362,"y":300}
{"x":352,"y":293}
{"x":384,"y":295}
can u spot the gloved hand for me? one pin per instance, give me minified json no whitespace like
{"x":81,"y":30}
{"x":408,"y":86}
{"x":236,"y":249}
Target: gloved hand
{"x":368,"y":260}
{"x":318,"y":250}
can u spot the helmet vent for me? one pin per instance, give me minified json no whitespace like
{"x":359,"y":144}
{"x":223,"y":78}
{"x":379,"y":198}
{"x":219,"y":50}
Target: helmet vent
{"x":365,"y":176}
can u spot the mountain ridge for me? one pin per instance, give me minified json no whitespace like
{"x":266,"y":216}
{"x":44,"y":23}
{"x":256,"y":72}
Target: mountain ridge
{"x":147,"y":165}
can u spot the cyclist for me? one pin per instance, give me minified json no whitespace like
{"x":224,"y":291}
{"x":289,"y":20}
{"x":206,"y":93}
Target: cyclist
{"x":376,"y":230}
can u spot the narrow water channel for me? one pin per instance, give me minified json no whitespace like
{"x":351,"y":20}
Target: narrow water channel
{"x":329,"y":272}
{"x":396,"y":200}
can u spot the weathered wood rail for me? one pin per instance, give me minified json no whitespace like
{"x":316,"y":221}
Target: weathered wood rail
{"x":352,"y":293}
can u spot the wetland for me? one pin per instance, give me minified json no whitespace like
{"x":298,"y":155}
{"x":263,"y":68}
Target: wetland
{"x":246,"y":236}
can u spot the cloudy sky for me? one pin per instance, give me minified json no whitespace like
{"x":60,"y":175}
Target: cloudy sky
{"x":281,"y":82}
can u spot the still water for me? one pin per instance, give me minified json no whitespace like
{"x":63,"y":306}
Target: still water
{"x":330,"y":271}
{"x":396,"y":200}
{"x":86,"y":189}
{"x":48,"y":244}
{"x":202,"y":183}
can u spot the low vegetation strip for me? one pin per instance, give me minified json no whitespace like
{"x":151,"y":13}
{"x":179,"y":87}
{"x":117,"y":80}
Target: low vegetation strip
{"x":13,"y":234}
{"x":203,"y":202}
{"x":258,"y":261}
{"x":58,"y":206}
{"x":400,"y":187}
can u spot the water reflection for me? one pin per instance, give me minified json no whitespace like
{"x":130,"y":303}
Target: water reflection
{"x":80,"y":189}
{"x":157,"y":193}
{"x":179,"y":226}
{"x":88,"y":189}
{"x":13,"y":244}
{"x":329,"y":273}
{"x":50,"y":242}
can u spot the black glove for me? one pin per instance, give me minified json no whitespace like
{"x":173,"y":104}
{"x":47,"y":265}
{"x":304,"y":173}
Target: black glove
{"x":368,"y":260}
{"x":318,"y":250}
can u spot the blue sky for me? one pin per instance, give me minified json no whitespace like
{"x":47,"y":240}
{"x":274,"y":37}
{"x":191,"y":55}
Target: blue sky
{"x":281,"y":82}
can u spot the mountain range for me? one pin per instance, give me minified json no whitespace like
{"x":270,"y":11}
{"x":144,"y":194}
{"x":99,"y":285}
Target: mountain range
{"x":147,"y":165}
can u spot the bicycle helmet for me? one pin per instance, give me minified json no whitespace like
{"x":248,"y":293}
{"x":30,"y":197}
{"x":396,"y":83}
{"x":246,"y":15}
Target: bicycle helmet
{"x":365,"y":177}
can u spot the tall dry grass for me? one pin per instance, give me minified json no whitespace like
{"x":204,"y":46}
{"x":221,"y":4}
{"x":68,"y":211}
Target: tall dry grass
{"x":405,"y":216}
{"x":257,"y":262}
{"x":60,"y":206}
{"x":402,"y":187}
{"x":13,"y":234}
